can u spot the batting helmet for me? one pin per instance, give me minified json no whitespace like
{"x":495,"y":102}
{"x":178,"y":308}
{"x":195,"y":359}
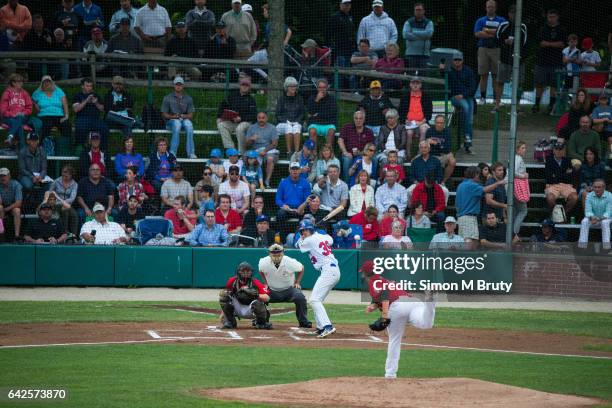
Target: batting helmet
{"x":306,"y":225}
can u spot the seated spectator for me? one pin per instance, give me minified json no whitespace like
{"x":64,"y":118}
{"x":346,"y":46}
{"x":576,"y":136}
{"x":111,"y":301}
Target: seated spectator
{"x":93,"y":155}
{"x":161,"y":164}
{"x":183,"y":219}
{"x":33,"y":165}
{"x":391,"y":193}
{"x":496,"y":200}
{"x":292,"y":191}
{"x":206,"y":199}
{"x":216,"y":165}
{"x":375,"y":106}
{"x":493,"y":233}
{"x":91,"y":17}
{"x":352,"y":140}
{"x":119,"y":107}
{"x":389,"y":217}
{"x":249,"y":226}
{"x":312,"y":208}
{"x":264,"y":236}
{"x":592,"y":169}
{"x":45,"y":229}
{"x":233,"y":159}
{"x":290,"y":115}
{"x":97,"y":45}
{"x":182,"y":46}
{"x":126,"y":12}
{"x":391,"y":63}
{"x":153,"y":26}
{"x":423,"y":165}
{"x":392,"y":136}
{"x":368,"y":220}
{"x":208,"y":233}
{"x":580,"y":107}
{"x":207,"y":180}
{"x":226,"y":216}
{"x":11,"y":198}
{"x":241,"y":27}
{"x":418,"y":218}
{"x":52,"y":106}
{"x":15,"y":110}
{"x":128,"y":159}
{"x":219,"y":46}
{"x":87,"y":107}
{"x":559,"y":175}
{"x":363,"y":59}
{"x":322,"y":113}
{"x":124,"y":41}
{"x":263,"y":138}
{"x":393,"y":164}
{"x":365,"y":162}
{"x":547,"y":233}
{"x":333,"y":191}
{"x":440,"y":142}
{"x":130,"y":214}
{"x":306,"y":158}
{"x":200,"y":23}
{"x":237,"y":190}
{"x":100,"y":231}
{"x":447,"y":239}
{"x":580,"y":140}
{"x":397,"y":239}
{"x":430,"y":196}
{"x":251,"y":172}
{"x":415,"y":110}
{"x":64,"y":189}
{"x":130,"y":187}
{"x":177,"y":109}
{"x":602,"y":121}
{"x":326,"y":158}
{"x":597,"y":212}
{"x":236,"y":114}
{"x":176,"y":186}
{"x":93,"y":189}
{"x":361,"y":195}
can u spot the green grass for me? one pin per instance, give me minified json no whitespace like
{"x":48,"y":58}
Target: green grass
{"x":166,"y":375}
{"x":571,"y":323}
{"x":599,"y":347}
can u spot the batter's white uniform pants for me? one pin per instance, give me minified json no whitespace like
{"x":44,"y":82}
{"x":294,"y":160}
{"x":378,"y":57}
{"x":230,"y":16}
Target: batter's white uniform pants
{"x":330,"y":275}
{"x":418,"y":314}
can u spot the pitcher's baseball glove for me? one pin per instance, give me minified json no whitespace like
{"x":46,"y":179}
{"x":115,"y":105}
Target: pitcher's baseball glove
{"x":380,"y":324}
{"x":246,"y":295}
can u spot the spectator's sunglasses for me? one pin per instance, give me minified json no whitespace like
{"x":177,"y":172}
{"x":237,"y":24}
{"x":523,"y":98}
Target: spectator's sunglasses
{"x":207,"y":173}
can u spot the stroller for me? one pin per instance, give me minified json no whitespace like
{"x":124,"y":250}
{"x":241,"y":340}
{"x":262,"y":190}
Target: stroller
{"x":307,"y":71}
{"x":151,"y":228}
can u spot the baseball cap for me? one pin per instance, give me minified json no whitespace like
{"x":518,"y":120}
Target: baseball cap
{"x":262,"y":218}
{"x":4,"y":171}
{"x":345,"y":1}
{"x":458,"y":55}
{"x":216,"y":153}
{"x":294,"y":165}
{"x":450,"y":219}
{"x":367,"y":266}
{"x":309,"y":144}
{"x":32,"y":136}
{"x":178,"y":80}
{"x":559,"y":146}
{"x":98,"y":207}
{"x":275,"y":248}
{"x":236,"y":1}
{"x":547,"y":223}
{"x":220,"y":24}
{"x":118,"y":79}
{"x":587,"y":43}
{"x":251,"y":154}
{"x":231,"y":152}
{"x":94,"y":135}
{"x":376,"y":3}
{"x":603,"y":95}
{"x":309,"y":43}
{"x":45,"y":206}
{"x":375,"y":84}
{"x":46,"y":78}
{"x":180,"y":24}
{"x":247,"y":7}
{"x":124,"y":20}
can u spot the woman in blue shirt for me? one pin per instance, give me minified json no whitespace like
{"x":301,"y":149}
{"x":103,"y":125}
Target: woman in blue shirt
{"x":52,"y":106}
{"x":128,"y":159}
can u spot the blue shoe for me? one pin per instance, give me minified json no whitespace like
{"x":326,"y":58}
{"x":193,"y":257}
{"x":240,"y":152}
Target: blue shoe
{"x":327,"y":330}
{"x":316,"y":332}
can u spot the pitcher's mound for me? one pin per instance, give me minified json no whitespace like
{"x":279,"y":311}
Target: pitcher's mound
{"x":372,"y":392}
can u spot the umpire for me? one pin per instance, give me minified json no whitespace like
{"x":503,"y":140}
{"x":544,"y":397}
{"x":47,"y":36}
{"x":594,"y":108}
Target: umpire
{"x":278,"y":272}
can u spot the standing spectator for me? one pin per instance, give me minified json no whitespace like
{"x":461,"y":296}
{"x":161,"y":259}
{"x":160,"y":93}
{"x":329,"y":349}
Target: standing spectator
{"x":52,"y":106}
{"x":125,"y":12}
{"x":322,"y":113}
{"x":417,"y":32}
{"x":16,"y":20}
{"x":592,"y":169}
{"x":375,"y":106}
{"x":91,"y":17}
{"x":415,"y":110}
{"x":177,"y":109}
{"x":45,"y":229}
{"x":33,"y":165}
{"x":182,"y":218}
{"x":181,"y":45}
{"x":129,"y":215}
{"x":365,"y":162}
{"x":333,"y":191}
{"x":237,"y":190}
{"x":397,"y":239}
{"x":265,"y":11}
{"x":493,"y":232}
{"x":580,"y":107}
{"x":597,"y":212}
{"x":94,"y":189}
{"x":161,"y":164}
{"x":176,"y":186}
{"x":87,"y":107}
{"x":241,"y":27}
{"x":153,"y":26}
{"x":447,"y":239}
{"x":64,"y":188}
{"x":430,"y":196}
{"x":392,"y":136}
{"x":124,"y":41}
{"x":496,"y":200}
{"x":290,"y":115}
{"x":462,"y":85}
{"x":363,"y":59}
{"x":581,"y":139}
{"x":326,"y":158}
{"x":352,"y":141}
{"x":388,"y":218}
{"x":485,"y":173}
{"x":571,"y":60}
{"x":468,"y":199}
{"x":15,"y":109}
{"x":93,"y":155}
{"x":340,"y":34}
{"x":485,"y":30}
{"x":69,"y":22}
{"x":439,"y":139}
{"x":378,"y":28}
{"x":236,"y":113}
{"x":425,"y":164}
{"x":119,"y":107}
{"x":368,"y":219}
{"x":391,"y":63}
{"x":391,"y":193}
{"x":106,"y":232}
{"x":520,"y":172}
{"x":589,"y":58}
{"x":11,"y":198}
{"x":549,"y":59}
{"x":602,"y":121}
{"x":290,"y":194}
{"x":37,"y":39}
{"x":208,"y":233}
{"x":263,"y":138}
{"x":200,"y":24}
{"x":227,"y":216}
{"x":61,"y":43}
{"x":131,"y":187}
{"x":361,"y":195}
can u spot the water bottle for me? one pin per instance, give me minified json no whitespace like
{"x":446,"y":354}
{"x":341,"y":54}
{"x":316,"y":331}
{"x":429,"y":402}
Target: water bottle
{"x":357,"y":242}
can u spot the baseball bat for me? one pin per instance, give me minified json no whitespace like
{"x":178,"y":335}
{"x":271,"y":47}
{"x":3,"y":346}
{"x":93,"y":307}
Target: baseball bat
{"x":331,"y":215}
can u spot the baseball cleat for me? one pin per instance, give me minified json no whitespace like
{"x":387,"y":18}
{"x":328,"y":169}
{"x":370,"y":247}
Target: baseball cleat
{"x":328,"y":330}
{"x":315,"y":332}
{"x":306,"y":325}
{"x":264,"y":326}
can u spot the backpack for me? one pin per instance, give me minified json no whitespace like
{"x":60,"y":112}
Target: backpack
{"x":152,"y":118}
{"x":558,"y":214}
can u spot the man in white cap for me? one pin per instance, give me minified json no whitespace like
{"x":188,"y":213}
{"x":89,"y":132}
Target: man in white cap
{"x":241,"y":27}
{"x":447,"y":239}
{"x":100,"y":231}
{"x":177,"y":109}
{"x":379,"y":28}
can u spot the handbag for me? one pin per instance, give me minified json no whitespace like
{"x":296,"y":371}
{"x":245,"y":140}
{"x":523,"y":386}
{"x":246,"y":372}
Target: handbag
{"x":521,"y":190}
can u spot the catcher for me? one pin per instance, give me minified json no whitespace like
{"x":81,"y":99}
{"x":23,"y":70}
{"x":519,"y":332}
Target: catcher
{"x":245,"y":297}
{"x":397,"y":310}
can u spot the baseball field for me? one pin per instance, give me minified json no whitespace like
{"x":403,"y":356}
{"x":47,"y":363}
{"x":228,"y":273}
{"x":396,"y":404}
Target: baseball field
{"x":172,"y":354}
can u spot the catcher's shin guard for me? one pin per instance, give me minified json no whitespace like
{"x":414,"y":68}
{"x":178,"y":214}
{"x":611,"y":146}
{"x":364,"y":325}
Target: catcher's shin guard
{"x":261,"y":315}
{"x":229,"y":320}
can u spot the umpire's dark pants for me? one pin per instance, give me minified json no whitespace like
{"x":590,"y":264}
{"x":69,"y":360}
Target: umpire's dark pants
{"x":295,"y":296}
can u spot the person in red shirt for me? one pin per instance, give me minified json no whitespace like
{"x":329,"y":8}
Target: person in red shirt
{"x":391,"y":215}
{"x":430,"y":195}
{"x":246,"y":297}
{"x":15,"y":110}
{"x":94,"y":155}
{"x":227,"y":216}
{"x":183,"y":219}
{"x":392,"y":164}
{"x":369,"y":222}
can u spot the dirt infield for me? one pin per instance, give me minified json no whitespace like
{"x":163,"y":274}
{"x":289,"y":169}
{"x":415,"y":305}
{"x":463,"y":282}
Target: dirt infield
{"x":368,"y":392}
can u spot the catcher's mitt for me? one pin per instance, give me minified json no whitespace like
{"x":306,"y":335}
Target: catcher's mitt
{"x":380,"y":324}
{"x":246,"y":295}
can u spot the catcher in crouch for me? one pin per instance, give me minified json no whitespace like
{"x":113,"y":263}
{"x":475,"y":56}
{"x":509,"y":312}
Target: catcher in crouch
{"x":245,"y":297}
{"x":397,"y":310}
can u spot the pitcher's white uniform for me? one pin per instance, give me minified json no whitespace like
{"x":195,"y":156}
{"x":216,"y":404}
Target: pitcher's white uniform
{"x":318,"y":247}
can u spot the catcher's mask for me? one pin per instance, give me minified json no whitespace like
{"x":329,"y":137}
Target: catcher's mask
{"x":244,"y":271}
{"x":276,"y":253}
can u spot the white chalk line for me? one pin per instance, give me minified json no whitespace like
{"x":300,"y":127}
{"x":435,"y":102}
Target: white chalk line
{"x":153,"y":334}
